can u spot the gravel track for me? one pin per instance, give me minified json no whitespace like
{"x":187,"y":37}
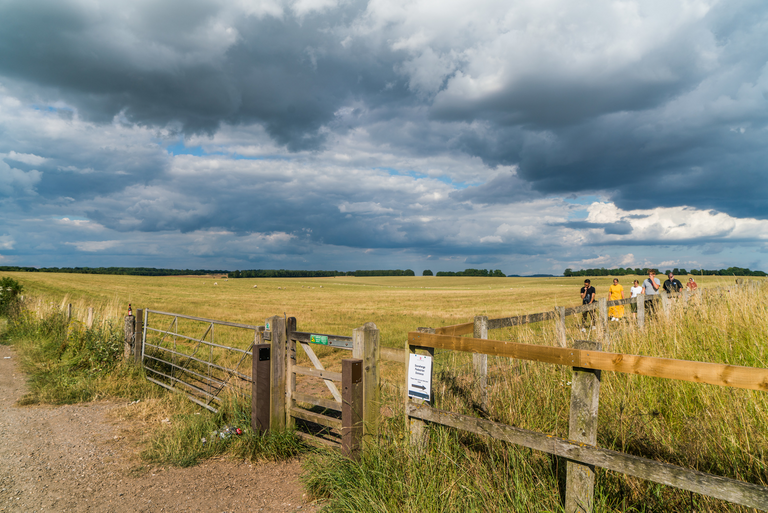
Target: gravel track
{"x":74,"y":458}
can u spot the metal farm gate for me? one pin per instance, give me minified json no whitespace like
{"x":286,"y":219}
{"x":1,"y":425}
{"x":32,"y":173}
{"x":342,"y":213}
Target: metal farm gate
{"x":200,"y":357}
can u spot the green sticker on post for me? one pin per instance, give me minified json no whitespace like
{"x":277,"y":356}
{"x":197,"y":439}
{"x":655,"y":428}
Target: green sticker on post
{"x":266,"y":327}
{"x":318,"y":339}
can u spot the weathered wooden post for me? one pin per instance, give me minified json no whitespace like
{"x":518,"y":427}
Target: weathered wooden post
{"x":582,"y":427}
{"x":138,"y":337}
{"x":417,"y":428}
{"x":129,"y":334}
{"x":365,"y":346}
{"x":562,"y":340}
{"x":666,"y":303}
{"x":89,"y":321}
{"x":686,"y":295}
{"x":480,"y":361}
{"x":290,"y":377}
{"x":277,"y":412}
{"x":603,"y":307}
{"x":69,"y":312}
{"x":640,"y":310}
{"x":262,"y":384}
{"x":351,"y":407}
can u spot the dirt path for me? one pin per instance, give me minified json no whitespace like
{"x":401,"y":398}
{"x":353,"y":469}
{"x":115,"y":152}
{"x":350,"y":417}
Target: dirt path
{"x":72,"y":458}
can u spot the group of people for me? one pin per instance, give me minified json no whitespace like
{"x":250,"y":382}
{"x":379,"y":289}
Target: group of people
{"x":650,"y":287}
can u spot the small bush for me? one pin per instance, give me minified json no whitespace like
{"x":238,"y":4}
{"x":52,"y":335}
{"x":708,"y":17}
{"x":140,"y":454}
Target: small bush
{"x":10,"y":296}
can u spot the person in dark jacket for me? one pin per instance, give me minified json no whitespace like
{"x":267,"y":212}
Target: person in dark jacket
{"x":587,"y":298}
{"x":672,"y":284}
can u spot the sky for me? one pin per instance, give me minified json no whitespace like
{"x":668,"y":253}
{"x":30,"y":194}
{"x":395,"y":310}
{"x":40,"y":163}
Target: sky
{"x":527,"y":136}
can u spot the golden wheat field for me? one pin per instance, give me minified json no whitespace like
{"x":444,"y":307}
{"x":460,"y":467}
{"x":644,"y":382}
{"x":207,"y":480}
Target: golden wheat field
{"x":325,"y":305}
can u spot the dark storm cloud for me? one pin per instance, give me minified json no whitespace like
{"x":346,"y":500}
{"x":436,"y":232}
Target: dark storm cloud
{"x":288,"y":74}
{"x":503,"y":188}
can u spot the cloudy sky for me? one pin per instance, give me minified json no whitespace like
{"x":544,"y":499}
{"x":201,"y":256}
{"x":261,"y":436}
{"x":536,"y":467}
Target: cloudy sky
{"x":527,"y":136}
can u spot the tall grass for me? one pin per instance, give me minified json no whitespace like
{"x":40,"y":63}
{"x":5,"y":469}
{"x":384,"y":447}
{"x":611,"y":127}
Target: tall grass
{"x":719,"y":430}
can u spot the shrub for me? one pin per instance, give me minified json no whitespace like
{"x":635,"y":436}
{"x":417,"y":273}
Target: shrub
{"x":10,"y":296}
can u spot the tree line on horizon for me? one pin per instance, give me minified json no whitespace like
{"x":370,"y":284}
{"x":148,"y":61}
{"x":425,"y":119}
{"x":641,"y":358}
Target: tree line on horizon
{"x":731,"y":271}
{"x":130,"y":271}
{"x":286,"y":273}
{"x":469,"y":272}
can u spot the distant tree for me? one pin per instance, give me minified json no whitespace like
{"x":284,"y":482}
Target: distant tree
{"x":427,"y":272}
{"x":498,"y":274}
{"x":568,"y":272}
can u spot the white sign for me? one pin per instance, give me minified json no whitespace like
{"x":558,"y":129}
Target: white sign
{"x":420,"y":377}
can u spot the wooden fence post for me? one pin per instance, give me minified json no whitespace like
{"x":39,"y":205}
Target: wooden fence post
{"x":290,"y":377}
{"x":351,"y":407}
{"x":129,"y":331}
{"x":417,"y":428}
{"x":640,"y":310}
{"x":260,"y":401}
{"x":365,"y":346}
{"x":89,"y":321}
{"x":562,"y":340}
{"x":603,"y":307}
{"x":480,"y":361}
{"x":666,"y":303}
{"x":69,"y":312}
{"x":582,"y":427}
{"x":138,"y":337}
{"x":277,"y":412}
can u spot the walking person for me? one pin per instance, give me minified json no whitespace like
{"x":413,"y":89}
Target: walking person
{"x":587,"y":298}
{"x":616,"y":291}
{"x":635,"y":291}
{"x":651,"y":287}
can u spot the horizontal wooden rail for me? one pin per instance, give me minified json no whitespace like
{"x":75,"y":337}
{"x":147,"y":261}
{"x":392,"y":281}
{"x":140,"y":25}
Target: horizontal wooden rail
{"x":746,"y":494}
{"x":309,"y":371}
{"x":328,"y":404}
{"x":318,"y":441}
{"x":317,"y":418}
{"x":457,"y":329}
{"x":494,"y":324}
{"x":735,"y":376}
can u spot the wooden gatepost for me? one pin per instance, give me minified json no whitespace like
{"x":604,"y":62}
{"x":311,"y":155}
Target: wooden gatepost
{"x":357,"y":403}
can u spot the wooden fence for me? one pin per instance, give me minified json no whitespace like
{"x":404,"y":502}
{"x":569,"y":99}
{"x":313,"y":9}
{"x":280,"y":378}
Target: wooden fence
{"x":587,"y":361}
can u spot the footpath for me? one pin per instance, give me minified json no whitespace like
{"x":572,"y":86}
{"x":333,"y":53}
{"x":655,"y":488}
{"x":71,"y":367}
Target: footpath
{"x":74,"y":458}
